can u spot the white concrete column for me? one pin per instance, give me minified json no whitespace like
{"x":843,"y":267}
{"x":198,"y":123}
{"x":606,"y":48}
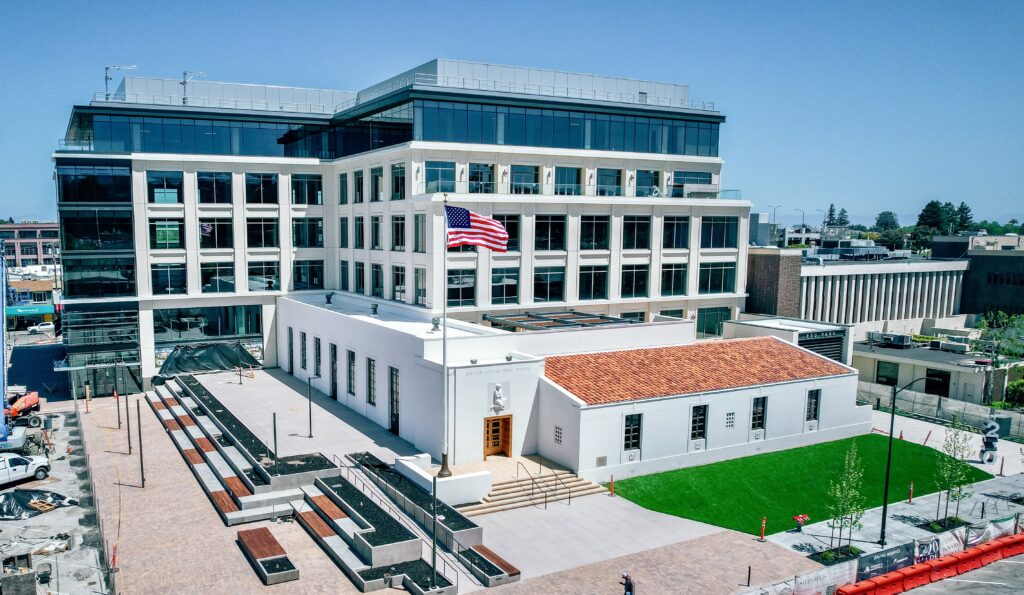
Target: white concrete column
{"x":803,"y":296}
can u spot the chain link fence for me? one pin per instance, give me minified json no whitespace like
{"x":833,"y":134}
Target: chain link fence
{"x":938,"y":409}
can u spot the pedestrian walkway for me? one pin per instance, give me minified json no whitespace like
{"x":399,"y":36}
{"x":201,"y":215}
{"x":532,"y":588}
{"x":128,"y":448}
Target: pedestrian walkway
{"x":991,"y":499}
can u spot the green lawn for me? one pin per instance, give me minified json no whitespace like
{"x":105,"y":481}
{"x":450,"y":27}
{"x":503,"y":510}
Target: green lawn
{"x":737,"y":493}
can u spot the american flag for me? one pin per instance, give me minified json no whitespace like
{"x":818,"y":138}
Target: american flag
{"x":466,"y":228}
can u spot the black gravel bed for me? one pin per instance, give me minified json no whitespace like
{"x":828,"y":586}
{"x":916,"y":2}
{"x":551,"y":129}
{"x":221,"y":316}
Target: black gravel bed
{"x":417,"y":570}
{"x":255,"y":478}
{"x":453,"y":519}
{"x":245,"y":438}
{"x":277,"y":565}
{"x":222,"y":440}
{"x":385,"y":528}
{"x":481,"y":562}
{"x":301,"y":464}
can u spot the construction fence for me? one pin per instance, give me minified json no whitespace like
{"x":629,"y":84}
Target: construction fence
{"x":938,"y":409}
{"x":829,"y":579}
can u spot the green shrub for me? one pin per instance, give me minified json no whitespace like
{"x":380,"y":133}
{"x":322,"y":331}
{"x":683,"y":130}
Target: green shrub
{"x":1015,"y":391}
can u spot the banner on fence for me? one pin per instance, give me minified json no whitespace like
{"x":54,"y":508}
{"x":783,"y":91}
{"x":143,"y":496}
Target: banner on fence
{"x":826,"y":580}
{"x":870,"y":565}
{"x":952,"y":542}
{"x":783,"y":588}
{"x":927,"y":549}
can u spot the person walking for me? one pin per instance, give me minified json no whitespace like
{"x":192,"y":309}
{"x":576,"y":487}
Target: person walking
{"x":627,"y":584}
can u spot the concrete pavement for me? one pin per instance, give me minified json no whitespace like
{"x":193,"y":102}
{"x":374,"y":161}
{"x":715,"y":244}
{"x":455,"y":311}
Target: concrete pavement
{"x":1004,"y":576}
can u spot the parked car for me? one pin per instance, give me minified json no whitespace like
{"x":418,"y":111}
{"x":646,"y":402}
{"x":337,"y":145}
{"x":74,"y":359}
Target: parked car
{"x":14,"y":467}
{"x":42,"y":327}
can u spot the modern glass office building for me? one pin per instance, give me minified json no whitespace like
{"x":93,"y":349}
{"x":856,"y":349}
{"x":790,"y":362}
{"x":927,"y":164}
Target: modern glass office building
{"x":186,"y":210}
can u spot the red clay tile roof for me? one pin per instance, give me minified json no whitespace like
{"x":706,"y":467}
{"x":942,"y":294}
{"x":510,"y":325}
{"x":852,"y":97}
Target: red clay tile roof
{"x":635,"y":374}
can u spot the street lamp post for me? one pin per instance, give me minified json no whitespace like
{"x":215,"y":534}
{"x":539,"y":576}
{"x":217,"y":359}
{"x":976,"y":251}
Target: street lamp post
{"x":309,"y":398}
{"x":773,"y":212}
{"x":803,"y":220}
{"x":888,"y":457}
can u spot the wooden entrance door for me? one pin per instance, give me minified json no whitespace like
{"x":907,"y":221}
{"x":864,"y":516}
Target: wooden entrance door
{"x":498,"y":436}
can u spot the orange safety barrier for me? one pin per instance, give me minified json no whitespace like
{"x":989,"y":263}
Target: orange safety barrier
{"x":968,"y":560}
{"x":890,"y":583}
{"x":1013,"y":545}
{"x":990,"y":552}
{"x":915,"y":576}
{"x":866,"y":587}
{"x":944,"y":567}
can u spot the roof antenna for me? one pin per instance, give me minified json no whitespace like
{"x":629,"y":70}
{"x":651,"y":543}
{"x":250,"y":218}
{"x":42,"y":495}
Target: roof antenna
{"x":187,"y":76}
{"x":107,"y":78}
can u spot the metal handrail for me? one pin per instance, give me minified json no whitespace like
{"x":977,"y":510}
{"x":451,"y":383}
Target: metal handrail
{"x":559,"y":480}
{"x":533,"y":483}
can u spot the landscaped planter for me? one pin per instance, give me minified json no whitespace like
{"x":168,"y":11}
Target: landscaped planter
{"x":943,"y":525}
{"x":414,"y":576}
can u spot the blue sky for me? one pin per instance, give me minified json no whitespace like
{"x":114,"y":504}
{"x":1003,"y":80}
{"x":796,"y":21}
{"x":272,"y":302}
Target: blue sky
{"x":870,"y":105}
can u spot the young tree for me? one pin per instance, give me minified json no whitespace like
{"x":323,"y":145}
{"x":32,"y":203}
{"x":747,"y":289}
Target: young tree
{"x":1006,"y":330}
{"x":964,"y":218}
{"x":951,"y":472}
{"x":830,"y":217}
{"x":887,"y":220}
{"x":843,"y":218}
{"x":892,"y":239}
{"x":932,"y":216}
{"x":846,"y":502}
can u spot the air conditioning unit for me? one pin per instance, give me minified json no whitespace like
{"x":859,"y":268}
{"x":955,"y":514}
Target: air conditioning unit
{"x":875,"y":336}
{"x":897,"y":340}
{"x":758,"y":434}
{"x":631,"y":455}
{"x":698,"y":445}
{"x":954,"y":347}
{"x":934,"y":344}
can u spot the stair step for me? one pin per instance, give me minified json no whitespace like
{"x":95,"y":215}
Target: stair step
{"x":479,"y":509}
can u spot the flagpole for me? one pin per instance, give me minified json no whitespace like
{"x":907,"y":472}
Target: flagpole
{"x":445,"y":471}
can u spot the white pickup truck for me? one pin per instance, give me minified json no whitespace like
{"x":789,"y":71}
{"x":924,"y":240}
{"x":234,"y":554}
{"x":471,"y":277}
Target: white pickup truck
{"x":14,"y":467}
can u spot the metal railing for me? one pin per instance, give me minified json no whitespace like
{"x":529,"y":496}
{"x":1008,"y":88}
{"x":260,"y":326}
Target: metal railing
{"x":533,"y":483}
{"x":583,"y":190}
{"x":106,"y":571}
{"x":216,"y":102}
{"x":475,"y":84}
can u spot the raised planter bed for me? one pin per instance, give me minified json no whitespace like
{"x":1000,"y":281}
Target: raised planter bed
{"x":943,"y":525}
{"x":267,"y":556}
{"x":386,"y":530}
{"x":417,"y":571}
{"x":836,"y":555}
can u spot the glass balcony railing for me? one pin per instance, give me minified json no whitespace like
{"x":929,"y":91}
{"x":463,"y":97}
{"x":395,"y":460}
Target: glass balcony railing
{"x":535,"y":188}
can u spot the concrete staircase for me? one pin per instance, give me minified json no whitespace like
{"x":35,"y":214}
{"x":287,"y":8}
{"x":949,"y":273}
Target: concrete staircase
{"x":553,"y":486}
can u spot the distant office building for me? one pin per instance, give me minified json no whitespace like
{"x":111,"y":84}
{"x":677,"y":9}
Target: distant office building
{"x":995,"y":278}
{"x":852,"y":292}
{"x":762,"y":232}
{"x":30,"y":243}
{"x":29,"y":301}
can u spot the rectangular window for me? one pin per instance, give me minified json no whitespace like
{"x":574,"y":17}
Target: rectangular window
{"x":307,"y":274}
{"x":567,"y":181}
{"x":699,"y":422}
{"x":360,"y":278}
{"x":398,"y":233}
{"x":343,"y":274}
{"x":214,"y":187}
{"x":717,"y":277}
{"x":217,"y":277}
{"x":308,"y":232}
{"x":937,"y":382}
{"x":813,"y":405}
{"x":421,"y":287}
{"x":99,"y":277}
{"x":440,"y":176}
{"x":636,"y":232}
{"x":462,"y":287}
{"x":397,"y":181}
{"x":647,"y":183}
{"x":375,"y":232}
{"x":511,"y":223}
{"x":216,"y":233}
{"x":634,"y":316}
{"x":682,"y":179}
{"x":316,"y":357}
{"x":350,"y":387}
{"x":594,"y":231}
{"x":343,"y":189}
{"x":676,"y":232}
{"x":709,"y":321}
{"x":481,"y":178}
{"x":261,"y":188}
{"x":634,"y":280}
{"x":593,"y":282}
{"x":95,"y":183}
{"x":377,"y":280}
{"x":887,"y":373}
{"x":419,"y":224}
{"x":505,"y":286}
{"x":393,"y":396}
{"x":398,"y":283}
{"x":376,"y":184}
{"x":525,"y":179}
{"x":264,"y":276}
{"x":165,"y":187}
{"x":758,"y":413}
{"x":609,"y":182}
{"x":718,"y":232}
{"x":302,"y":350}
{"x":631,"y":432}
{"x":169,"y":279}
{"x":549,"y":284}
{"x":673,"y":278}
{"x":360,"y":231}
{"x":549,"y":232}
{"x":307,"y":189}
{"x":343,"y":232}
{"x":357,"y":187}
{"x":730,"y":420}
{"x":261,"y":233}
{"x":371,"y":381}
{"x":164,"y":234}
{"x":558,"y":434}
{"x":33,"y":250}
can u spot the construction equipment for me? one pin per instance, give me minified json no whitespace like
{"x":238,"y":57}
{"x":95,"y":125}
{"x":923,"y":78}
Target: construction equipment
{"x":22,"y":408}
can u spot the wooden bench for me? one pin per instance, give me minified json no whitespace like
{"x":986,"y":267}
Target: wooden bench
{"x":267,"y":556}
{"x":329,"y":508}
{"x":496,"y":560}
{"x":192,"y":456}
{"x":314,"y":523}
{"x":237,"y":487}
{"x":205,"y":445}
{"x":222,"y":500}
